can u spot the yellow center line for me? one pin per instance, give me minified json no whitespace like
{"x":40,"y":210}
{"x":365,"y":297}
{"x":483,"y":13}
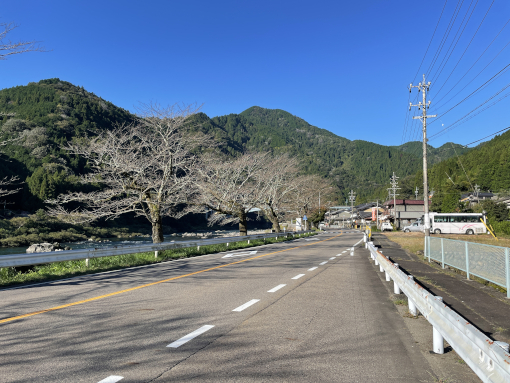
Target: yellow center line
{"x":152,"y":283}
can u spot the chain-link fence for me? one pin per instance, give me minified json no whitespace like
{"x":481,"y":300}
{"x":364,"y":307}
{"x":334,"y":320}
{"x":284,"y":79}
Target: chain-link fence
{"x":491,"y":263}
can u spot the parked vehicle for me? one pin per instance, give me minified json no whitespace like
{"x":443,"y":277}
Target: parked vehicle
{"x":386,"y":226}
{"x":457,"y":223}
{"x":416,"y":226}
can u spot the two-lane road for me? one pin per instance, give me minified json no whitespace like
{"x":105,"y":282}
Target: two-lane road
{"x":304,"y":310}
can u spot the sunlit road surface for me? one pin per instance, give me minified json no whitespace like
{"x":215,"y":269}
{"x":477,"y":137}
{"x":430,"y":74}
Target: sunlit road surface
{"x":300,"y":311}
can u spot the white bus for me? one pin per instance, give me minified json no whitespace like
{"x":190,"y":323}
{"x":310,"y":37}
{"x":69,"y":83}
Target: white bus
{"x":457,"y":223}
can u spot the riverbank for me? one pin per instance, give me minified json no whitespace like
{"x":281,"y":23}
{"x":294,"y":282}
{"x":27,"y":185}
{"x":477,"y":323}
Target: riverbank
{"x":61,"y":270}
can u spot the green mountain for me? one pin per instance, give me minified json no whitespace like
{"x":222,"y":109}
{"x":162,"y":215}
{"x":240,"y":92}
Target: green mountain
{"x":434,"y":155}
{"x":359,"y":165}
{"x":47,"y":114}
{"x":487,"y":165}
{"x":44,"y":116}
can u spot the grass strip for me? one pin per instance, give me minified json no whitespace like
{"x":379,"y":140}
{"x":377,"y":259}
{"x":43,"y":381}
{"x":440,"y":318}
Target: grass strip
{"x":414,"y":243}
{"x":67,"y":269}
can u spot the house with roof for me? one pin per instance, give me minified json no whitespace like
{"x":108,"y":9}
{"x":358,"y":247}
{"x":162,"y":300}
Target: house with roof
{"x":404,"y":211}
{"x":473,"y":197}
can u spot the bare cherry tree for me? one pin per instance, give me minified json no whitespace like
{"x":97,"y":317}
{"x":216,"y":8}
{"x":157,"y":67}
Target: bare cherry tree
{"x":145,"y":167}
{"x":230,"y":187}
{"x":9,"y":180}
{"x":279,"y":185}
{"x":305,"y":196}
{"x":8,"y":48}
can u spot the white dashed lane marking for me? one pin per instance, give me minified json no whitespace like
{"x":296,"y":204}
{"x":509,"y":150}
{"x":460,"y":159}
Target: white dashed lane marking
{"x":323,"y":263}
{"x":111,"y":379}
{"x":246,"y":305}
{"x":298,"y":276}
{"x":274,"y":289}
{"x":313,"y":268}
{"x":189,"y":337}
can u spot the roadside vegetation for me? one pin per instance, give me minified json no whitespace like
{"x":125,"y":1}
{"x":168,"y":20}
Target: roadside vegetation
{"x":59,"y":270}
{"x":414,"y":243}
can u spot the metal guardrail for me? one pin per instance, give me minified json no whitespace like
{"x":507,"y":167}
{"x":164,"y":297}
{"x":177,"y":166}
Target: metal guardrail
{"x":490,"y":360}
{"x":488,"y":262}
{"x":12,"y":260}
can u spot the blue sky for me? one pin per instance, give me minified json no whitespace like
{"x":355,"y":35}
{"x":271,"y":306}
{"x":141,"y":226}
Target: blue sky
{"x":341,"y":65}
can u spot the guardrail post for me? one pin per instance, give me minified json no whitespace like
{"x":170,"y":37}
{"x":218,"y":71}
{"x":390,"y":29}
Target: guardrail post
{"x":381,"y":269}
{"x":396,"y":289}
{"x":437,"y":338}
{"x":442,"y":253}
{"x":467,"y":259}
{"x":507,"y":263}
{"x":86,"y":262}
{"x":412,"y":307}
{"x":156,"y":254}
{"x":248,"y":242}
{"x":388,"y":278}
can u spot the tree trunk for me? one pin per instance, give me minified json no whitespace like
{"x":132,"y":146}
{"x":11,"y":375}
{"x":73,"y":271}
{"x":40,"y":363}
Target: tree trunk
{"x":274,"y":220}
{"x":243,"y":220}
{"x":157,"y":225}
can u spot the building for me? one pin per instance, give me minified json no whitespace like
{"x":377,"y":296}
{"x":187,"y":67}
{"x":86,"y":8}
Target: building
{"x":407,"y":211}
{"x":477,"y":197}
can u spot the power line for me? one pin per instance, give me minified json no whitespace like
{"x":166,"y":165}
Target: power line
{"x":430,"y":42}
{"x":451,"y":126}
{"x":445,"y":36}
{"x":490,"y":135}
{"x":441,"y":65}
{"x":476,"y":90}
{"x":465,"y":50}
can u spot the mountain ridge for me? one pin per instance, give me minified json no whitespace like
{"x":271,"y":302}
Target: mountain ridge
{"x":52,"y":112}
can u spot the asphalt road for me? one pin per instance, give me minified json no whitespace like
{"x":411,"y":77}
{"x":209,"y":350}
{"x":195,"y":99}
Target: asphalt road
{"x":301,"y":311}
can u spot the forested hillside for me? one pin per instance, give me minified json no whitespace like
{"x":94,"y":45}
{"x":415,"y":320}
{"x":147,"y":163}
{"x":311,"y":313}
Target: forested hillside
{"x":486,"y":165}
{"x":43,"y":116}
{"x":359,"y":165}
{"x":434,"y":155}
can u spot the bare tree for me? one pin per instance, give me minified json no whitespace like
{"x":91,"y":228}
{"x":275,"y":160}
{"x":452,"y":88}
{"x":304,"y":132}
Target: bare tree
{"x":305,"y":196}
{"x":8,"y":48}
{"x":145,"y":167}
{"x":230,"y":187}
{"x":9,"y":180}
{"x":278,"y":178}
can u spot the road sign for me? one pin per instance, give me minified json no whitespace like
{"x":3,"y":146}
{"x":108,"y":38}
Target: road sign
{"x":304,"y":218}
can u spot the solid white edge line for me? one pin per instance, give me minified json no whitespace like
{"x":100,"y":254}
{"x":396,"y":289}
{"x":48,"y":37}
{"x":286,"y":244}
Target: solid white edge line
{"x":112,"y":379}
{"x":313,"y":268}
{"x":298,"y":276}
{"x":190,"y":336}
{"x":275,"y":289}
{"x":323,"y":263}
{"x":246,"y":305}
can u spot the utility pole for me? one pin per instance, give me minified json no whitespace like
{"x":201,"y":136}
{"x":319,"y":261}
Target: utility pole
{"x":377,"y":213}
{"x":477,"y":191}
{"x":424,"y":88}
{"x":352,"y":198}
{"x":393,"y":192}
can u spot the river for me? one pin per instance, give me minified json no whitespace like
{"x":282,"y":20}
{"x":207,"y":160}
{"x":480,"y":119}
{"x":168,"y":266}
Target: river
{"x":110,"y":242}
